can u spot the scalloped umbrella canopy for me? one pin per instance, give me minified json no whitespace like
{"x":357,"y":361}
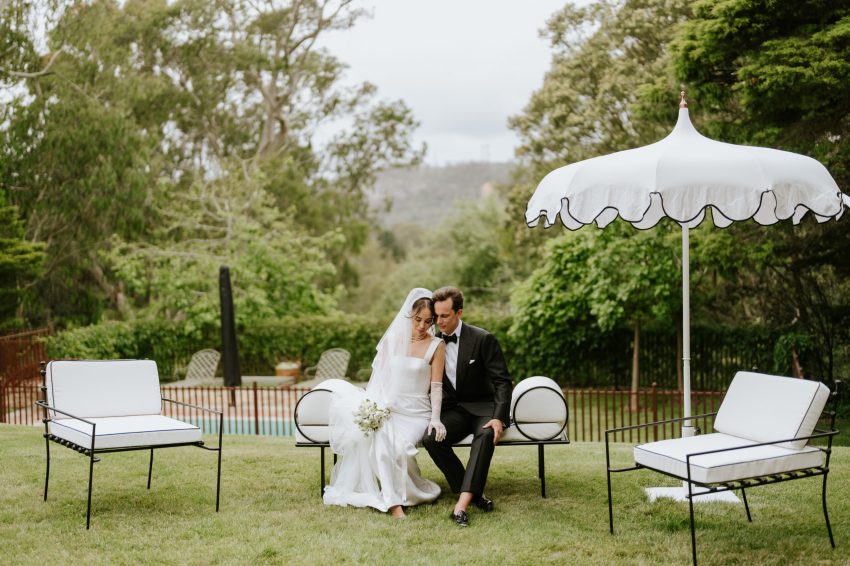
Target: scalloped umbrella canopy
{"x":680,"y":177}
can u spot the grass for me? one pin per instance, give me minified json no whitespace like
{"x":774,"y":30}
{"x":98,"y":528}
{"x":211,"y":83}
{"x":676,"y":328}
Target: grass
{"x":271,"y":513}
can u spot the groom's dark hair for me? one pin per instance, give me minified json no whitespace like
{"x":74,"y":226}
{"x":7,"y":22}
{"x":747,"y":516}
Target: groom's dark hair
{"x":452,"y":293}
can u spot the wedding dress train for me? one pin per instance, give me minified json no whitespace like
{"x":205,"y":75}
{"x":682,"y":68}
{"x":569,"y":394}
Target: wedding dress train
{"x":379,"y":470}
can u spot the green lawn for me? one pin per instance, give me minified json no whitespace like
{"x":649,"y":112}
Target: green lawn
{"x":271,"y":513}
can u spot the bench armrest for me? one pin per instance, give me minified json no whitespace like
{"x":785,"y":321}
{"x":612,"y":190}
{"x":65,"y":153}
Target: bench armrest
{"x":44,"y":405}
{"x":181,"y":403}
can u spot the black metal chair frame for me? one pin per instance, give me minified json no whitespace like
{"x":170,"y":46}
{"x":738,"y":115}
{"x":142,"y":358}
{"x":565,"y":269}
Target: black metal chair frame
{"x":541,"y":444}
{"x":91,"y":451}
{"x":742,"y":484}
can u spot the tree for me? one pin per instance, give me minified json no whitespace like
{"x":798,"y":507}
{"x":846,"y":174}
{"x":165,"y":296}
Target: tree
{"x":21,"y":263}
{"x":775,"y":74}
{"x":606,"y":56}
{"x":230,"y":221}
{"x":592,"y":282}
{"x":131,"y":104}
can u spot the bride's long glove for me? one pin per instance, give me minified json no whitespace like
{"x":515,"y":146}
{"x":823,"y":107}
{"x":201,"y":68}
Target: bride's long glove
{"x":436,"y":404}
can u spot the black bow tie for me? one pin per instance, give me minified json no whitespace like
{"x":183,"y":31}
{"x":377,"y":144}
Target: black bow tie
{"x":448,"y":338}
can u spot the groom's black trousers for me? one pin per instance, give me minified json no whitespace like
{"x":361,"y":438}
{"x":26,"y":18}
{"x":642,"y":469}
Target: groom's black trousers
{"x":459,"y":422}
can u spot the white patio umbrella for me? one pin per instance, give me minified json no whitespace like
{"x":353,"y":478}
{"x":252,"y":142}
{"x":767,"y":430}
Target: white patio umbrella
{"x":680,"y":177}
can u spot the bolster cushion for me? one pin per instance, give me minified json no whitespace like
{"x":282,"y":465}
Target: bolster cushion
{"x":538,"y":410}
{"x":311,"y":411}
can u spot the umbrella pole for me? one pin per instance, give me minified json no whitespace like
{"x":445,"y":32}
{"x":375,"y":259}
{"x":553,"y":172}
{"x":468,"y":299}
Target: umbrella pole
{"x":682,"y":493}
{"x":687,"y":426}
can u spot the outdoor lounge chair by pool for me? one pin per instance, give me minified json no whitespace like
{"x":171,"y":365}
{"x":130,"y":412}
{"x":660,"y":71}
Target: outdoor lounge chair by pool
{"x":763,"y":429}
{"x":95,"y":407}
{"x":203,"y":365}
{"x":333,"y":364}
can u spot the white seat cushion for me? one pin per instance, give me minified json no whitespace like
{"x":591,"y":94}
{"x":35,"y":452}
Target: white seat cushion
{"x":767,"y":407}
{"x":312,"y":434}
{"x":669,"y":456}
{"x":542,"y":431}
{"x":535,"y":431}
{"x":103,"y":388}
{"x":125,"y":432}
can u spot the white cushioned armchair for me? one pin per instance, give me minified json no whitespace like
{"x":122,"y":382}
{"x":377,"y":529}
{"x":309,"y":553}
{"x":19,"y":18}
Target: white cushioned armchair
{"x":762,"y":433}
{"x":100,"y":406}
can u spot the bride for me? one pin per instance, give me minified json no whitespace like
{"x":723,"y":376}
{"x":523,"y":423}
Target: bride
{"x":379,"y":469}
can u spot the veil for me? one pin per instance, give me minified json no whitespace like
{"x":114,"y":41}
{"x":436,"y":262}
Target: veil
{"x":395,"y":342}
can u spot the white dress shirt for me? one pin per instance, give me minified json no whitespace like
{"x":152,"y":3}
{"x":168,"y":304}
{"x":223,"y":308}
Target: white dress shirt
{"x":451,"y":356}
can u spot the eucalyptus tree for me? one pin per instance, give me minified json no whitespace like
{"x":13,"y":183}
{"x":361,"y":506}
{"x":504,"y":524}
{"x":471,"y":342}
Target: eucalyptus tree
{"x":20,"y":265}
{"x":608,"y":58}
{"x":122,"y":106}
{"x":781,"y":80}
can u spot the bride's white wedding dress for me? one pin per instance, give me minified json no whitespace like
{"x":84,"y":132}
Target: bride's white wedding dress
{"x":380,"y":470}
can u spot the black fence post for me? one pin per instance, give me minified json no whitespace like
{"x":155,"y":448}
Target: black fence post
{"x":654,"y":411}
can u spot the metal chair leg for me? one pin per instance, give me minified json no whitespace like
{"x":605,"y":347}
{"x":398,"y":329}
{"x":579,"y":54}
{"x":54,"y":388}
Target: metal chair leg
{"x":746,"y":504}
{"x":91,"y":473}
{"x":47,"y":471}
{"x":218,"y":473}
{"x":825,"y":514}
{"x":691,"y":509}
{"x":322,"y":488}
{"x":541,"y":469}
{"x":150,"y":470}
{"x":608,"y":473}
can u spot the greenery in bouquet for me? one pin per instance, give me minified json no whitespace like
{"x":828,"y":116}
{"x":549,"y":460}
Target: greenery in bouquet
{"x":369,"y":417}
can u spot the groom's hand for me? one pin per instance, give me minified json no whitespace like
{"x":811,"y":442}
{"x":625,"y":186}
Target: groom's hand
{"x":496,"y":425}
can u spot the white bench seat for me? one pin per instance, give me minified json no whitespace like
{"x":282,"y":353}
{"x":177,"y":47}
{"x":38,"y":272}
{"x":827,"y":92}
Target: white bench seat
{"x":538,"y":413}
{"x":126,"y":432}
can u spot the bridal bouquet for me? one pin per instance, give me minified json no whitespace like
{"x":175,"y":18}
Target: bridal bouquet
{"x":369,"y":417}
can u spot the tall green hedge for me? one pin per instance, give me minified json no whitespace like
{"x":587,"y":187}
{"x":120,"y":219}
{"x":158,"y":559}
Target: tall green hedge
{"x":717,"y":352}
{"x":261,"y":345}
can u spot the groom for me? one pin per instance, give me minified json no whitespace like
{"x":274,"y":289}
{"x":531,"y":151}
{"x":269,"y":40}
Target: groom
{"x":476,"y":400}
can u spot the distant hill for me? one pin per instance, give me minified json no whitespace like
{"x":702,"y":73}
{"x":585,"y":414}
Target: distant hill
{"x":422,"y":195}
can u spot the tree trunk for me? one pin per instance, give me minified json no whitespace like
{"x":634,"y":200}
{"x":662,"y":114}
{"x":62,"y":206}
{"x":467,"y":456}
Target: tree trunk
{"x":633,"y":402}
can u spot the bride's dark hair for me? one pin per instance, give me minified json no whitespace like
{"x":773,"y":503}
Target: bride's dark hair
{"x":419,"y":304}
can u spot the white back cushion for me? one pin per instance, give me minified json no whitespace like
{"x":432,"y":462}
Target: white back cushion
{"x":764,"y":407}
{"x":103,"y":388}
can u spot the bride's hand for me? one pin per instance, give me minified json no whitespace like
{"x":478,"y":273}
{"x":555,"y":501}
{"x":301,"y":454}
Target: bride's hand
{"x":439,"y":428}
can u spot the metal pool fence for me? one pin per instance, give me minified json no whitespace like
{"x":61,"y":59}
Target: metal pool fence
{"x":268,"y":411}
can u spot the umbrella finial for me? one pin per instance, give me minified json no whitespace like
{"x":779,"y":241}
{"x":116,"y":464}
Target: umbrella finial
{"x":683,"y":103}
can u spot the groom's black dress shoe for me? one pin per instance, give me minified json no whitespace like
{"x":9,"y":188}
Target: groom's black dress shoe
{"x":483,"y":503}
{"x":460,"y":518}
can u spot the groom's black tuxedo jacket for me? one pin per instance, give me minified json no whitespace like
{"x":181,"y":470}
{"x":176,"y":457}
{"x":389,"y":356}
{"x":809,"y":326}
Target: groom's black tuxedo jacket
{"x":483,"y":383}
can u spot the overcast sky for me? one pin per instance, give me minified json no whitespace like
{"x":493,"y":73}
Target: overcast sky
{"x":463,"y":66}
